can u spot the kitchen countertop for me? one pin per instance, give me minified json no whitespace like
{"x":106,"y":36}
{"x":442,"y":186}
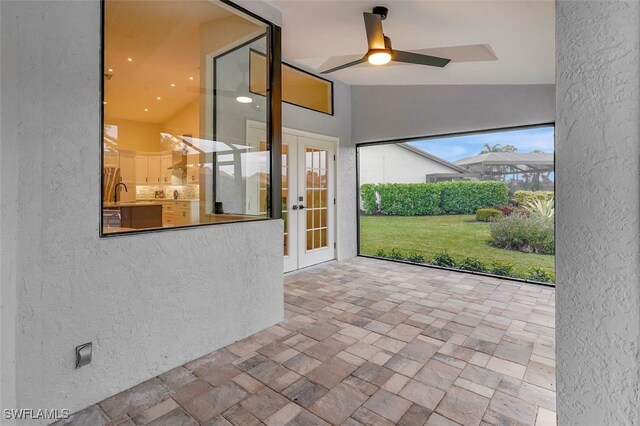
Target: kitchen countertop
{"x":112,"y":205}
{"x":164,"y":200}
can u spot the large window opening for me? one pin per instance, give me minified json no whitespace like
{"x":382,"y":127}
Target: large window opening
{"x":481,"y":202}
{"x":176,"y":103}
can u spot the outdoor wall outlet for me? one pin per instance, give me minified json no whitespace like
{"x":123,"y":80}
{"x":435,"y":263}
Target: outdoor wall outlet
{"x":83,"y":354}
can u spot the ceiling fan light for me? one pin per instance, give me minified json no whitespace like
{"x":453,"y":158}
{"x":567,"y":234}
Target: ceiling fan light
{"x":380,"y":57}
{"x":244,"y":99}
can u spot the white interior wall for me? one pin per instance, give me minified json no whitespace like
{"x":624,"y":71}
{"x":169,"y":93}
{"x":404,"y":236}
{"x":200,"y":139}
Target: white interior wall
{"x":395,"y":112}
{"x":598,"y":211}
{"x":147,"y":302}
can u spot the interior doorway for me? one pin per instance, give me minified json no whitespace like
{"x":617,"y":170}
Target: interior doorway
{"x":308,"y":195}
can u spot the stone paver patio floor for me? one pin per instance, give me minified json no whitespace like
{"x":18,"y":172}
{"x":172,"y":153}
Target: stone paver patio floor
{"x":368,"y":342}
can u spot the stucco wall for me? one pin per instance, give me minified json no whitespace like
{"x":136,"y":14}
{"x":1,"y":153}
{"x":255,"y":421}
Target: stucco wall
{"x":391,"y":163}
{"x":148,"y":302}
{"x":597,"y":167}
{"x":395,"y":112}
{"x":8,"y":199}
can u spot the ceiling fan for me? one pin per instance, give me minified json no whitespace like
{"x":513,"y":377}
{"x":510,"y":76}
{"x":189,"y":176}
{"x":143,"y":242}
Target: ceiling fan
{"x":380,"y":51}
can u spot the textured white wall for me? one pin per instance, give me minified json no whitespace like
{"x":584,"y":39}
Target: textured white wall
{"x":8,"y":227}
{"x":148,"y":302}
{"x":597,"y":167}
{"x":395,"y":112}
{"x":391,"y":163}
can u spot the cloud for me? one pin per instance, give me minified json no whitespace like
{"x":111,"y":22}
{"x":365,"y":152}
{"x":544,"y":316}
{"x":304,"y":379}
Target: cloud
{"x":457,"y":147}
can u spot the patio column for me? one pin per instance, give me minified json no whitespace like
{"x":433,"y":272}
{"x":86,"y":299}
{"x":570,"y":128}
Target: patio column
{"x":597,"y":165}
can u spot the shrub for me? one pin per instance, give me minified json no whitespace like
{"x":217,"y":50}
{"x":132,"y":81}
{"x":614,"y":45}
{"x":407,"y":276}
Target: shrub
{"x":443,"y":259}
{"x":472,"y":264}
{"x":502,"y":269}
{"x":541,"y":275}
{"x":409,"y":199}
{"x":541,"y":208}
{"x":509,"y":210}
{"x":395,"y":254}
{"x":486,"y":215}
{"x":416,"y":257}
{"x":380,"y":253}
{"x":506,"y":210}
{"x":369,"y":198}
{"x":522,"y":233}
{"x":465,"y":197}
{"x":525,"y":197}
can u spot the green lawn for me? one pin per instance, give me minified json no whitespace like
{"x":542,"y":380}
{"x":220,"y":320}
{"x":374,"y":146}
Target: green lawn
{"x":460,"y":235}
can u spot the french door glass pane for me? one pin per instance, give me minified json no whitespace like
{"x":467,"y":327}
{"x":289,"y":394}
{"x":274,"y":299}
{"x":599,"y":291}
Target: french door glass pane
{"x":317,"y":204}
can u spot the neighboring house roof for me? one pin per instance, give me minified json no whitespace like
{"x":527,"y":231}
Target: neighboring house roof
{"x":508,"y":159}
{"x":432,"y":157}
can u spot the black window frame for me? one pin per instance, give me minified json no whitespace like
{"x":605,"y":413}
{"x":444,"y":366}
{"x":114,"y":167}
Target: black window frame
{"x":442,"y":136}
{"x":274,"y":126}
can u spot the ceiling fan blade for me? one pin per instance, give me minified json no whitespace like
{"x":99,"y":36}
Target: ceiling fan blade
{"x":416,"y":58}
{"x":375,"y":35}
{"x":347,"y":65}
{"x":465,"y":53}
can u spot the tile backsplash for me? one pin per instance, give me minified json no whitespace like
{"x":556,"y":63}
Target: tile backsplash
{"x":185,"y":191}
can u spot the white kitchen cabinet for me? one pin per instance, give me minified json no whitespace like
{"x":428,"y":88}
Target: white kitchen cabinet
{"x":127,"y":167}
{"x":193,"y":168}
{"x":165,"y":172}
{"x":142,"y":177}
{"x":180,"y":212}
{"x":154,"y":170}
{"x":127,"y":162}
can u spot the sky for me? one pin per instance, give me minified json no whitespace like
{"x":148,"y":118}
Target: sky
{"x":455,"y":148}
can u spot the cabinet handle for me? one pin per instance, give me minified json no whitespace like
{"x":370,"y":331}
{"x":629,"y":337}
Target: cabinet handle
{"x":158,"y":179}
{"x":146,"y":179}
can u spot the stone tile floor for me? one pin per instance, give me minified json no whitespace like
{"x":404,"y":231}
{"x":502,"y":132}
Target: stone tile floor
{"x":368,"y":342}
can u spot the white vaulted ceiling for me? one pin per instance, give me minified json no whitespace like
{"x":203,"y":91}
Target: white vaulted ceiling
{"x":520,"y":33}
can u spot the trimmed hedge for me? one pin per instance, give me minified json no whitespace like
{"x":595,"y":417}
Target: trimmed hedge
{"x":409,"y":199}
{"x":369,"y":198}
{"x":465,"y":197}
{"x":485,"y":215}
{"x":429,"y":199}
{"x":471,"y":264}
{"x":525,"y":197}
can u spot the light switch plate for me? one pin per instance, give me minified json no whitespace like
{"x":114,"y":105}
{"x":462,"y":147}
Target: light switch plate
{"x":83,"y":354}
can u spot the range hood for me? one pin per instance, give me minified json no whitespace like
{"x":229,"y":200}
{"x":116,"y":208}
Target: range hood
{"x":178,"y":161}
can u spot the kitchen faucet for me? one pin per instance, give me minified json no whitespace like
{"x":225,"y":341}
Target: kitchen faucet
{"x":115,"y":191}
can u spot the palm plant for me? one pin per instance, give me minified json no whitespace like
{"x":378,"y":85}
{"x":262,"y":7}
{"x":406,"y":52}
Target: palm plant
{"x":498,"y":148}
{"x":541,"y":208}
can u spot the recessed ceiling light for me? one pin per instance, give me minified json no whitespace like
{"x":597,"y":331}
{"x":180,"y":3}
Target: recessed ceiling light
{"x":104,"y":102}
{"x":110,"y":70}
{"x":146,"y":110}
{"x":158,"y":98}
{"x":244,"y":99}
{"x":130,"y":59}
{"x":190,"y":78}
{"x":173,"y":85}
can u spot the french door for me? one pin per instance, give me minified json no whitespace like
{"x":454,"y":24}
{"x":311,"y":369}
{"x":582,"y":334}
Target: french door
{"x":308,"y":196}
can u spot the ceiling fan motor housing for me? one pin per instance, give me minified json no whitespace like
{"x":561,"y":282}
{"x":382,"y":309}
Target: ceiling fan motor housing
{"x":382,"y":11}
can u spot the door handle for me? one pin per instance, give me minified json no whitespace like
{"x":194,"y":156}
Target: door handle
{"x":294,"y":207}
{"x":301,"y":207}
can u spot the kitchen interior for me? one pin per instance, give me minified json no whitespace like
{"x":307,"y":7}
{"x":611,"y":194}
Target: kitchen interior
{"x":162,"y":162}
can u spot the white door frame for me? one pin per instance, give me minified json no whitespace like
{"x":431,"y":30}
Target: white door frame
{"x":293,"y":262}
